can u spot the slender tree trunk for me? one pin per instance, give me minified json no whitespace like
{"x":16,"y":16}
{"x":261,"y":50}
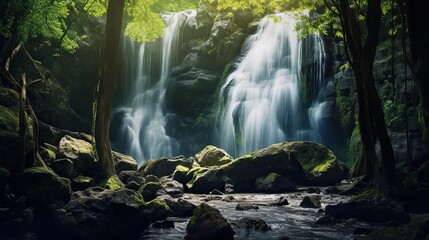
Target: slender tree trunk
{"x":419,"y":45}
{"x":22,"y":122}
{"x":107,"y":84}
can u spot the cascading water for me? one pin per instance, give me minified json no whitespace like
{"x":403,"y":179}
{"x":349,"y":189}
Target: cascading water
{"x":261,"y":99}
{"x":143,"y":118}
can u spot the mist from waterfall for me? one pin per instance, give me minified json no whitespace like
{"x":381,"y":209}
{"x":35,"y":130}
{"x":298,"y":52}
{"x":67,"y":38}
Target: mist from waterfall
{"x":147,"y":68}
{"x":260,"y":102}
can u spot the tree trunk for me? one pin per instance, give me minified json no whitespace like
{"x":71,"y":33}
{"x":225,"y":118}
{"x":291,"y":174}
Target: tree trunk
{"x":419,"y":45}
{"x":372,"y":124}
{"x":22,"y":122}
{"x":107,"y":84}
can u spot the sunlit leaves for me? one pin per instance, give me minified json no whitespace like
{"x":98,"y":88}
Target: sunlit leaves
{"x":145,"y":25}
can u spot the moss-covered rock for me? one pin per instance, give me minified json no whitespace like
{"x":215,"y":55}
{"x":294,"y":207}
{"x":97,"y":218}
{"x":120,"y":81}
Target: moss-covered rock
{"x":42,"y":186}
{"x":80,"y":183}
{"x":158,"y":209}
{"x":63,"y":167}
{"x":81,"y":153}
{"x":274,"y":183}
{"x":124,"y":162}
{"x":180,"y":174}
{"x":47,"y":155}
{"x":163,"y":166}
{"x":111,"y":183}
{"x":212,"y":156}
{"x":149,"y":190}
{"x":208,"y":223}
{"x":204,"y":180}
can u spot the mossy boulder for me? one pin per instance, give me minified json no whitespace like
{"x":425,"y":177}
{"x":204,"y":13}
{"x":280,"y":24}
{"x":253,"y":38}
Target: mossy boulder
{"x":124,"y":162}
{"x":212,"y":156}
{"x":320,"y":164}
{"x":63,"y":167}
{"x":47,"y":154}
{"x":163,"y":167}
{"x":274,"y":183}
{"x":42,"y":186}
{"x":180,"y":174}
{"x":207,"y":223}
{"x":149,"y":190}
{"x":204,"y":180}
{"x":81,"y":153}
{"x":111,"y":183}
{"x":158,"y":209}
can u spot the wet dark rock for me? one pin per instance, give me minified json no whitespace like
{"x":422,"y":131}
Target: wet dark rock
{"x":151,"y":178}
{"x":133,"y":185}
{"x":179,"y":207}
{"x":320,"y":211}
{"x":207,"y":223}
{"x":158,"y":209}
{"x":41,"y":186}
{"x":281,"y":201}
{"x":125,"y":175}
{"x":165,"y":224}
{"x":246,"y":207}
{"x":4,"y":176}
{"x":212,"y":198}
{"x":284,"y":238}
{"x":204,"y":180}
{"x":216,"y":192}
{"x":149,"y":190}
{"x":252,"y":224}
{"x":123,"y":162}
{"x":325,"y":220}
{"x":63,"y":167}
{"x":310,"y":202}
{"x":98,"y":213}
{"x":228,"y":199}
{"x":367,"y":211}
{"x":138,"y":179}
{"x":180,"y":174}
{"x":172,"y":187}
{"x":17,"y":224}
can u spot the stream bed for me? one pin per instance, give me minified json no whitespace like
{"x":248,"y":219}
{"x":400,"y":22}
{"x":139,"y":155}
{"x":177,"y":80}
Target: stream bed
{"x":290,"y":220}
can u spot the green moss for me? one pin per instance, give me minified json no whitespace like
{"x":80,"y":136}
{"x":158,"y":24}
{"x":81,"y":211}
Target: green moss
{"x":353,"y":147}
{"x":9,"y":123}
{"x":181,"y":168}
{"x":196,"y":174}
{"x":311,"y":162}
{"x":111,"y":183}
{"x":148,"y":190}
{"x":268,"y":179}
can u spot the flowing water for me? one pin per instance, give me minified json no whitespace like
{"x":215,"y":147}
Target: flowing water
{"x":143,"y":117}
{"x":261,"y":99}
{"x":290,"y":220}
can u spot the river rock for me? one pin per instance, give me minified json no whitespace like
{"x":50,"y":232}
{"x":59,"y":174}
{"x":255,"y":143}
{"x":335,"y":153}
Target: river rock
{"x":81,"y":153}
{"x":281,"y":201}
{"x":172,"y":187}
{"x":274,"y":183}
{"x":80,"y":183}
{"x":180,"y":174}
{"x":99,"y":213}
{"x":63,"y":167}
{"x":310,"y":202}
{"x":123,"y":162}
{"x":158,"y":209}
{"x":246,"y":207}
{"x":204,"y":180}
{"x":125,"y":175}
{"x":367,"y":211}
{"x":212,"y":156}
{"x":41,"y":186}
{"x":179,"y":207}
{"x":207,"y":223}
{"x":149,"y":191}
{"x":249,"y":223}
{"x":163,"y":167}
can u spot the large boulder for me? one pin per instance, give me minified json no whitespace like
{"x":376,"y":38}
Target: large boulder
{"x":204,"y":180}
{"x":81,"y":153}
{"x":163,"y":167}
{"x":212,"y":156}
{"x":158,"y":209}
{"x":179,"y":207}
{"x":124,"y":162}
{"x":274,"y":183}
{"x":99,"y":213}
{"x":41,"y":186}
{"x":208,"y":224}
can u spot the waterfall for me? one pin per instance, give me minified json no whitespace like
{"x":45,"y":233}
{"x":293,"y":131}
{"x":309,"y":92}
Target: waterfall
{"x":260,"y":102}
{"x":141,"y":131}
